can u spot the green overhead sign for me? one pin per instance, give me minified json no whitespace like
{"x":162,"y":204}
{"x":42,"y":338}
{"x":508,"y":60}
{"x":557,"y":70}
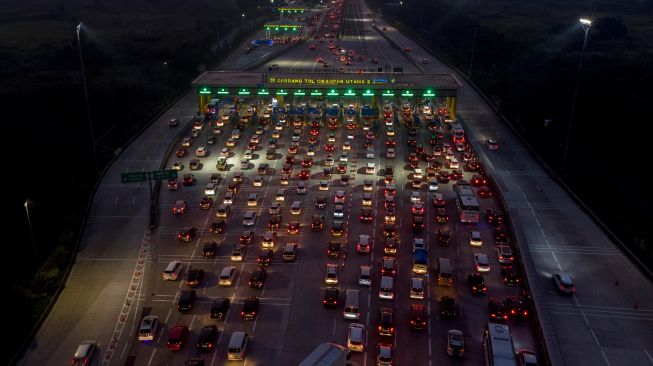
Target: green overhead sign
{"x":133,"y":177}
{"x":164,"y":174}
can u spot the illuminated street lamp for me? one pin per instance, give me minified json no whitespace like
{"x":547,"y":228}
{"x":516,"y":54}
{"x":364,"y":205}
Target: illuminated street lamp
{"x":88,"y":107}
{"x":31,"y":234}
{"x":586,"y":24}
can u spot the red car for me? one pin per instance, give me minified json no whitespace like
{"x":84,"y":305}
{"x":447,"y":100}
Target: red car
{"x":305,"y":174}
{"x":178,"y":337}
{"x":307,"y":163}
{"x":478,"y":180}
{"x":484,"y":192}
{"x":329,"y":147}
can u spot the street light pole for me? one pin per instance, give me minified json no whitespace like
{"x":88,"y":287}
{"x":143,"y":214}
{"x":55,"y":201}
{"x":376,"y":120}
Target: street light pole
{"x":586,"y":24}
{"x":31,"y":234}
{"x":88,"y":106}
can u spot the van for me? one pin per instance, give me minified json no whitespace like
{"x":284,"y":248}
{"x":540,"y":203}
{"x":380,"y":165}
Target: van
{"x":237,"y":346}
{"x":369,"y":153}
{"x":386,"y":289}
{"x":227,"y":276}
{"x":249,"y":219}
{"x":445,"y":274}
{"x":290,"y":252}
{"x":352,"y":305}
{"x":172,"y":271}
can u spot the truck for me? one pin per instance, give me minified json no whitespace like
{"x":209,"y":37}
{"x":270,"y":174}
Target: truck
{"x":420,"y":261}
{"x":327,"y":354}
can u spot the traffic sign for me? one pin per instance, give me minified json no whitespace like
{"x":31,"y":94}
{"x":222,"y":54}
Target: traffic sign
{"x":133,"y":177}
{"x":164,"y":174}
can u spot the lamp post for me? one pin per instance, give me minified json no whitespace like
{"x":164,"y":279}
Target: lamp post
{"x":88,"y":107}
{"x":586,"y":24}
{"x":31,"y":234}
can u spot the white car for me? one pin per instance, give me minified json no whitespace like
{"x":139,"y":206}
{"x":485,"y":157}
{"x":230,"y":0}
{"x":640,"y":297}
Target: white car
{"x":391,"y":153}
{"x":453,"y":163}
{"x":248,"y":154}
{"x":344,"y":157}
{"x":275,"y":208}
{"x":339,"y":211}
{"x":346,"y":146}
{"x":492,"y":144}
{"x":201,"y":151}
{"x":210,"y":189}
{"x":419,"y":243}
{"x":324,"y":185}
{"x":350,"y":135}
{"x":329,"y":161}
{"x":390,"y":131}
{"x":415,"y":196}
{"x":433,"y":184}
{"x":331,"y":277}
{"x":244,"y":164}
{"x":331,"y":137}
{"x":148,"y":329}
{"x":258,"y":181}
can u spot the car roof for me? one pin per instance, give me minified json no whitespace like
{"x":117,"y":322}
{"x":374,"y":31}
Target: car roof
{"x":83,"y":349}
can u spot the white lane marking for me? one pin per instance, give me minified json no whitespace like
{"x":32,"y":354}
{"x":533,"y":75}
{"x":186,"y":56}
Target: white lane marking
{"x":190,"y":327}
{"x":122,"y":354}
{"x":595,"y":338}
{"x":151,"y":357}
{"x":605,"y":358}
{"x":334,"y":327}
{"x":429,"y":346}
{"x":648,"y":355}
{"x":215,"y":353}
{"x":168,"y":316}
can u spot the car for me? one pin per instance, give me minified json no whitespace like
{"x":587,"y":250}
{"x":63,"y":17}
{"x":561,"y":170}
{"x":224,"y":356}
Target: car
{"x":201,"y":151}
{"x":244,"y":163}
{"x":331,"y":277}
{"x":407,"y":49}
{"x":304,"y":174}
{"x":511,"y":275}
{"x":492,"y":144}
{"x":418,"y":207}
{"x":418,"y":243}
{"x":231,"y":142}
{"x":188,"y":180}
{"x":307,"y":163}
{"x":206,"y":203}
{"x":526,"y":358}
{"x":492,"y":216}
{"x":485,"y":192}
{"x":178,"y":337}
{"x":149,"y":328}
{"x":364,"y":243}
{"x":389,"y":231}
{"x":418,"y":318}
{"x":518,"y":307}
{"x":441,"y":216}
{"x":179,"y":208}
{"x":505,"y":254}
{"x":186,"y":142}
{"x":438,"y":200}
{"x":477,"y":283}
{"x":257,"y":278}
{"x":475,"y":238}
{"x":443,"y":237}
{"x":206,"y":341}
{"x":219,"y":308}
{"x":339,"y":211}
{"x":187,"y":234}
{"x":384,"y":354}
{"x":329,"y":161}
{"x":388,"y":266}
{"x":173,"y":185}
{"x":222,"y":163}
{"x":418,"y":223}
{"x":415,"y":196}
{"x":443,"y":176}
{"x":250,"y":308}
{"x":210,"y":249}
{"x":448,"y":307}
{"x":294,"y":227}
{"x":356,"y":337}
{"x":342,"y":168}
{"x":274,"y":223}
{"x":181,"y":152}
{"x":481,"y":262}
{"x":238,"y":253}
{"x":386,"y":323}
{"x":265,"y":258}
{"x":455,"y":343}
{"x":330,"y":297}
{"x":173,"y":122}
{"x":564,"y":284}
{"x":344,"y":157}
{"x":497,"y":310}
{"x":318,"y":222}
{"x":194,"y":277}
{"x":246,"y":237}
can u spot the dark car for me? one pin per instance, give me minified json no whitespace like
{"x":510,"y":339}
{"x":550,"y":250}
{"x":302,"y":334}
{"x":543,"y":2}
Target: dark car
{"x":257,"y":278}
{"x":334,"y":249}
{"x":206,"y":341}
{"x":186,"y":301}
{"x":246,"y":237}
{"x":518,"y":307}
{"x":497,"y":310}
{"x":493,"y":216}
{"x":418,"y":223}
{"x":188,"y":179}
{"x":477,"y":284}
{"x":250,"y":308}
{"x":448,"y":307}
{"x":210,"y":249}
{"x":318,"y":223}
{"x":388,"y":266}
{"x":194,"y":277}
{"x":206,"y":203}
{"x":367,"y":215}
{"x":187,"y":234}
{"x":443,"y":176}
{"x":337,"y":228}
{"x":182,"y":152}
{"x":443,"y":237}
{"x":330,"y":297}
{"x":417,"y":317}
{"x":511,"y":276}
{"x":294,"y":227}
{"x":386,"y":323}
{"x":485,"y":192}
{"x":219,"y":308}
{"x":217,"y":227}
{"x":321,"y":201}
{"x":265,"y":258}
{"x":215,"y":178}
{"x":326,"y":173}
{"x":389,"y":231}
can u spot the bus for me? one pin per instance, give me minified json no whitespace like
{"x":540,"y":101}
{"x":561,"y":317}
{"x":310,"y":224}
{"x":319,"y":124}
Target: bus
{"x":457,"y":134}
{"x":497,"y":345}
{"x":466,"y":202}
